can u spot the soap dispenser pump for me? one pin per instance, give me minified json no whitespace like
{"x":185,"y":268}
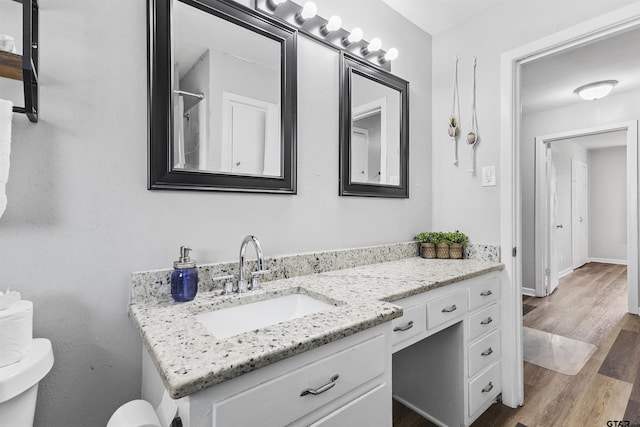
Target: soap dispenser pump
{"x":184,"y":278}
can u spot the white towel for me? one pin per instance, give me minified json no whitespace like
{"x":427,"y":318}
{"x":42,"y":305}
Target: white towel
{"x":6,"y":114}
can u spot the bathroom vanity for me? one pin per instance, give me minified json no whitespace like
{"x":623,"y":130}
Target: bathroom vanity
{"x":426,"y":332}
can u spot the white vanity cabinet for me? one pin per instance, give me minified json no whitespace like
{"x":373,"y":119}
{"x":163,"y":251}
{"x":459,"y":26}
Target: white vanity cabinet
{"x":446,"y":366}
{"x":340,"y":383}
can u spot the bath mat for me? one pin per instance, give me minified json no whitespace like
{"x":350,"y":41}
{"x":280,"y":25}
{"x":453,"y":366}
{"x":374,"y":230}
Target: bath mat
{"x":560,"y":354}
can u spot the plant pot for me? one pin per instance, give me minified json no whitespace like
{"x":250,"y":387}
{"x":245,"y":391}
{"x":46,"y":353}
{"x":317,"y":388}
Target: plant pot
{"x":428,"y":250}
{"x":442,"y":250}
{"x":471,"y":138}
{"x":453,"y":131}
{"x":456,"y":250}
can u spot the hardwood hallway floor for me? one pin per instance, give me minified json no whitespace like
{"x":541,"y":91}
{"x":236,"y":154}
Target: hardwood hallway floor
{"x":589,"y":305}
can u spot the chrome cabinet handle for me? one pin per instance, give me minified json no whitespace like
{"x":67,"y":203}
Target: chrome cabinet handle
{"x":487,"y":352}
{"x":404,"y":328}
{"x":321,"y":389}
{"x":486,"y":293}
{"x":486,"y":321}
{"x":488,"y":388}
{"x":449,"y":309}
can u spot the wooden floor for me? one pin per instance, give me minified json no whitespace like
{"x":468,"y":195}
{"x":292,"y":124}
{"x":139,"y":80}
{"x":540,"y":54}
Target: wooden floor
{"x":589,"y":305}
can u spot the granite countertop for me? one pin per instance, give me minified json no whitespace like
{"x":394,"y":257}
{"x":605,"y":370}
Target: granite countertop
{"x":189,"y":358}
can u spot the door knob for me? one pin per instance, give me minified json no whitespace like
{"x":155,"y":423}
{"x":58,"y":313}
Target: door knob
{"x":559,"y":226}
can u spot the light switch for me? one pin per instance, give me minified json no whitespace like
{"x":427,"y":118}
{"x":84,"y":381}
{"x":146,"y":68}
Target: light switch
{"x":488,"y":176}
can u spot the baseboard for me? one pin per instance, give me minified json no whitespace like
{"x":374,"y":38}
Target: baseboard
{"x":609,"y":261}
{"x":565,"y":272}
{"x":528,"y":292}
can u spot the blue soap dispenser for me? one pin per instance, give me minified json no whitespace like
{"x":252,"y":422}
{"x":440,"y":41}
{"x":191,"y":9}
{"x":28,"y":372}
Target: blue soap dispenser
{"x":184,"y":278}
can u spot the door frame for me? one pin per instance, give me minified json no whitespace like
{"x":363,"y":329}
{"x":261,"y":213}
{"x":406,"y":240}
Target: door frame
{"x":574,"y":203}
{"x":542,"y":242}
{"x":510,"y":192}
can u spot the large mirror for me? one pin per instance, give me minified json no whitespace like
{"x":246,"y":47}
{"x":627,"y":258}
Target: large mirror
{"x":374,"y":125}
{"x":222,"y":98}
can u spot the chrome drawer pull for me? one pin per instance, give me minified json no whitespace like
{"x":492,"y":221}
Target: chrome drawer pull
{"x":488,"y":388}
{"x":404,"y":328}
{"x":486,"y":321}
{"x":487,"y":352}
{"x":486,"y":293}
{"x":321,"y":389}
{"x":449,"y":309}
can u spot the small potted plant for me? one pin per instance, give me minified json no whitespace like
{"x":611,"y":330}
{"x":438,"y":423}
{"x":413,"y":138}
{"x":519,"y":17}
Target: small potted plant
{"x":453,"y":127}
{"x":457,"y":242}
{"x":442,"y":246}
{"x":471,"y":137}
{"x":428,"y":240}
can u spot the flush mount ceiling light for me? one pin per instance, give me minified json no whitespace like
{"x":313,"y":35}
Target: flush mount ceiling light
{"x":595,"y":90}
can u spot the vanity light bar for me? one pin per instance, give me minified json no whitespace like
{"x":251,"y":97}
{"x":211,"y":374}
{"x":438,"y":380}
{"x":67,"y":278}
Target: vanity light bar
{"x":329,"y":32}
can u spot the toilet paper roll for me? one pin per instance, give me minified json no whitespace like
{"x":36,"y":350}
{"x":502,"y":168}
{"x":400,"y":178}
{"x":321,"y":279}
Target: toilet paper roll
{"x":16,"y":332}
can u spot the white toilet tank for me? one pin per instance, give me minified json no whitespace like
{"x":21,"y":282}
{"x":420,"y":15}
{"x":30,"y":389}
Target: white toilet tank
{"x":19,"y":384}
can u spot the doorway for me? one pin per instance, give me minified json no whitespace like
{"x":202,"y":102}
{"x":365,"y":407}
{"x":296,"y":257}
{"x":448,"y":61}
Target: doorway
{"x":564,"y":200}
{"x":511,"y":211}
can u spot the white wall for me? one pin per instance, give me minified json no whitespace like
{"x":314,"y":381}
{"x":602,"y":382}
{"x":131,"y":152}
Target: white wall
{"x":609,"y":110}
{"x":80,"y":219}
{"x":608,"y":204}
{"x":459,"y":201}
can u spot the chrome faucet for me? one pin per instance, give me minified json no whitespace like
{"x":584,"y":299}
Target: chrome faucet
{"x":243,"y":286}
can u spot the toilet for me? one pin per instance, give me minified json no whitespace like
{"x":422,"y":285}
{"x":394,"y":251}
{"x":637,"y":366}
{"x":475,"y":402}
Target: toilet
{"x":19,"y":384}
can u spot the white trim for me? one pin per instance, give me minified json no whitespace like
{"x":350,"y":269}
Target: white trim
{"x":529,"y":292}
{"x":576,"y":243}
{"x":510,"y":194}
{"x":610,"y":261}
{"x":565,"y":272}
{"x":369,"y":109}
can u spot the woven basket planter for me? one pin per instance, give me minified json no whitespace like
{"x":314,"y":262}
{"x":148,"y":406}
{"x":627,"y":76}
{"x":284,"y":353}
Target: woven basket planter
{"x":427,"y":250}
{"x":442,"y":250}
{"x":456,"y":250}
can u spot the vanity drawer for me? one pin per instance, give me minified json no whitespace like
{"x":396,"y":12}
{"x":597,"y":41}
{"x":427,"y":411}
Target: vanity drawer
{"x":354,"y":366}
{"x":484,"y":292}
{"x":484,"y":352}
{"x":484,"y":321}
{"x":447,"y":308}
{"x":412,"y":323}
{"x":484,"y":388}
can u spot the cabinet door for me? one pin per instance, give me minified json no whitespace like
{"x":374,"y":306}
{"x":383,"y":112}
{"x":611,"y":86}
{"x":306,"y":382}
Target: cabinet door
{"x":372,"y":409}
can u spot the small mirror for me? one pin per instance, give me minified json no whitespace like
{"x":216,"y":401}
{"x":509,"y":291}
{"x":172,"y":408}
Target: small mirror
{"x":374,"y":131}
{"x":230,"y":77}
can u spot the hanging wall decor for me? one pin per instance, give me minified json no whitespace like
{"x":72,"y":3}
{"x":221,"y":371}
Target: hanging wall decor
{"x":472,"y":135}
{"x":455,"y":114}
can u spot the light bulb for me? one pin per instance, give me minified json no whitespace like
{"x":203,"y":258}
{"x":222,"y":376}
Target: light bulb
{"x":334,"y":23}
{"x":391,"y":55}
{"x":374,"y":45}
{"x":308,"y":11}
{"x":355,"y":35}
{"x":273,"y":4}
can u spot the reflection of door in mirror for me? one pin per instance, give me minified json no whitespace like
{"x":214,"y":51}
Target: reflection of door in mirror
{"x":369,"y":143}
{"x":234,"y":127}
{"x":250,"y":136}
{"x":375,"y":108}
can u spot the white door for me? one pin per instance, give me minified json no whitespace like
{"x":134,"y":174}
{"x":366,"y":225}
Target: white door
{"x":359,"y":155}
{"x":579,"y":207}
{"x":553,"y":261}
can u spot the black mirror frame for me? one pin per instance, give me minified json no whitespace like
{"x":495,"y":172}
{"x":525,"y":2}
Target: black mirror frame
{"x":162,"y":176}
{"x":350,"y":65}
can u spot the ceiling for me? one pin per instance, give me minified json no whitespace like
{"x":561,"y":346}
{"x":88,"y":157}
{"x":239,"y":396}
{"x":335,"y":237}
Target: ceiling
{"x":434,"y":16}
{"x":549,"y":82}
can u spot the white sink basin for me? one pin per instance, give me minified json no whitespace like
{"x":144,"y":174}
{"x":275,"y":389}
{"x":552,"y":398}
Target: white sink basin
{"x":231,"y":321}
